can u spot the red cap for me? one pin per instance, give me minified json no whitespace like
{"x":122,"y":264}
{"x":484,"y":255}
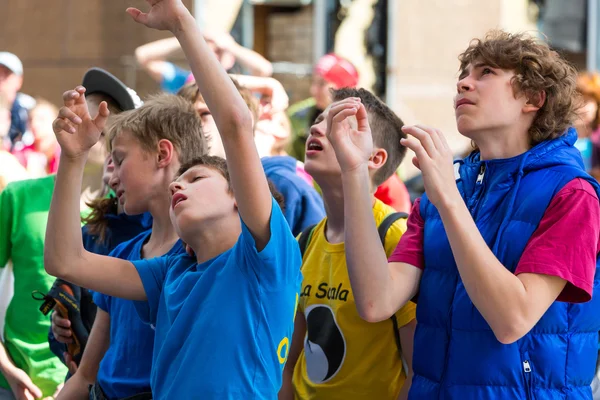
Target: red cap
{"x":337,"y":70}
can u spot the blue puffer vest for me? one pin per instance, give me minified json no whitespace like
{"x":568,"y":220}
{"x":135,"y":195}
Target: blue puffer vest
{"x":456,"y":354}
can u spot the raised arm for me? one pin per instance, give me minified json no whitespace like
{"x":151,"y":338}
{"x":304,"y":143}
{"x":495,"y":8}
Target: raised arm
{"x":255,"y":63}
{"x":229,"y":110}
{"x":380,"y":289}
{"x":152,"y":56}
{"x":64,"y":255}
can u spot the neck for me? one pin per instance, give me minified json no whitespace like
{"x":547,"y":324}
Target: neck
{"x":163,"y":235}
{"x":501,"y":145}
{"x":333,"y":198}
{"x":215,"y":238}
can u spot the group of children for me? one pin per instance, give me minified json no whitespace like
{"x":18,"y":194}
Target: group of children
{"x":226,"y":297}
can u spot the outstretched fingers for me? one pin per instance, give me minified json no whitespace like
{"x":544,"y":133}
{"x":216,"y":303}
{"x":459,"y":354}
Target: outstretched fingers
{"x":102,"y":116}
{"x":137,"y":15}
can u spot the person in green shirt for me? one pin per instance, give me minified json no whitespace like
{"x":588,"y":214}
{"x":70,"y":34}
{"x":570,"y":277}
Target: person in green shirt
{"x":28,"y":369}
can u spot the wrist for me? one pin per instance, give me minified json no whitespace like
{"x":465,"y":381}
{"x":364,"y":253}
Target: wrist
{"x":451,"y":203}
{"x":184,"y":22}
{"x":75,"y":160}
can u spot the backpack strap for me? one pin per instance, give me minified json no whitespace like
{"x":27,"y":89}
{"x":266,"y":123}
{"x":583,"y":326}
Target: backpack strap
{"x":388,"y":221}
{"x":304,"y":238}
{"x":383,"y":229}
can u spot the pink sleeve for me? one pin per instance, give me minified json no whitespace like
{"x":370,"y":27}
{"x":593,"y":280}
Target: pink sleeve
{"x":566,"y":243}
{"x":410,"y":247}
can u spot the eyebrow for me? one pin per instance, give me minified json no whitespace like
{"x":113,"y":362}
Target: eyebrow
{"x":465,"y":71}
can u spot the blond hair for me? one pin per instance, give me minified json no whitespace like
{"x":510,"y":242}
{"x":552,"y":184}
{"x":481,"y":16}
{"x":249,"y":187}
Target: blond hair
{"x":164,"y":116}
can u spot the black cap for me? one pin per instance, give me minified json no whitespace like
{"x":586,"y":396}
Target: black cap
{"x":97,"y":80}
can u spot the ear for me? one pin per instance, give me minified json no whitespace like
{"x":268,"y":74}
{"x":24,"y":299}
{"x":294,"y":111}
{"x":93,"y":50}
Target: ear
{"x":378,"y":159}
{"x":166,"y":153}
{"x":535,"y":102}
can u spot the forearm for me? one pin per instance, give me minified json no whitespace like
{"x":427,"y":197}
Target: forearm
{"x":157,"y":51}
{"x":5,"y":361}
{"x":287,"y":390}
{"x":255,"y":84}
{"x":366,"y":258}
{"x":255,"y":63}
{"x":499,"y":295}
{"x":76,"y":388}
{"x":63,"y":247}
{"x":219,"y":92}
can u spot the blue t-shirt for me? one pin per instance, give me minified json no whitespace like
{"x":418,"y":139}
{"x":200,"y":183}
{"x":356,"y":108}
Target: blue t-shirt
{"x":125,"y":369}
{"x":223,"y":327}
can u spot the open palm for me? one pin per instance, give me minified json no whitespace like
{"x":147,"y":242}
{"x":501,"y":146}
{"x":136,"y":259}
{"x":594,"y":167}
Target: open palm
{"x":163,"y":14}
{"x":74,"y":128}
{"x":352,"y":141}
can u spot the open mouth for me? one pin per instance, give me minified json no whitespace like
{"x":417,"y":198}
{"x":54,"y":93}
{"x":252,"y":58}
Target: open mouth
{"x":314,"y":145}
{"x":177,"y":198}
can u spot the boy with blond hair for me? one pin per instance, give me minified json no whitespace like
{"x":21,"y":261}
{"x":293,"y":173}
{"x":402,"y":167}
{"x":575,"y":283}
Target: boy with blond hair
{"x":148,"y":145}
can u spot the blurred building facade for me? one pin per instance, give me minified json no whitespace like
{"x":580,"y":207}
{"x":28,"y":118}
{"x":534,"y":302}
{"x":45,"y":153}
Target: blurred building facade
{"x":405,"y":49}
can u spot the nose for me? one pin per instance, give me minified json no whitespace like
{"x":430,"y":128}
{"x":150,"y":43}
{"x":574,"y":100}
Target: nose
{"x":318,"y":129}
{"x":114,"y":180}
{"x":175,"y":187}
{"x":464,"y":85}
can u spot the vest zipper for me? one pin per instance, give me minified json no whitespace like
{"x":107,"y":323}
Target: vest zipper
{"x":474,"y":200}
{"x":527,"y":373}
{"x":481,"y":174}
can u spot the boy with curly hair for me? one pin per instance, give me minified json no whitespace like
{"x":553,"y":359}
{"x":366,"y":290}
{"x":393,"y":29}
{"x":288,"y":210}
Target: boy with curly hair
{"x":502,"y":248}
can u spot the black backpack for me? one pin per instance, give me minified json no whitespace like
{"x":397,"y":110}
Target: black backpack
{"x":382,"y":229}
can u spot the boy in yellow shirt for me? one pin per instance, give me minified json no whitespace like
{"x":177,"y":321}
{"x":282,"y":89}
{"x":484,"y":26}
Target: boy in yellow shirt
{"x":335,"y":354}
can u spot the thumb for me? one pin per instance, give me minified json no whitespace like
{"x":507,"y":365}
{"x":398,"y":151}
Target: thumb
{"x":103,"y":113}
{"x":137,"y":15}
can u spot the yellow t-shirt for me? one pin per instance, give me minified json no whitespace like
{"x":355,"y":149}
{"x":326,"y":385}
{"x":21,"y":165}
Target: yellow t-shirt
{"x":345,"y":357}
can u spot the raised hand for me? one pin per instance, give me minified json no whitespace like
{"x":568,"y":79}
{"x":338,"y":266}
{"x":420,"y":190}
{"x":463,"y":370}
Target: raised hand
{"x":434,"y":159}
{"x":350,"y":137}
{"x":163,"y":15}
{"x":74,"y":128}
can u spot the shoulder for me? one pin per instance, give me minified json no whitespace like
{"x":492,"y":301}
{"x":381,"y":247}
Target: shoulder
{"x":30,"y":186}
{"x":382,"y":211}
{"x":124,"y":250}
{"x":577,"y":185}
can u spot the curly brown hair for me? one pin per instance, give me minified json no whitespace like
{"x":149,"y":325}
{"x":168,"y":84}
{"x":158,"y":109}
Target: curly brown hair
{"x":537,"y":69}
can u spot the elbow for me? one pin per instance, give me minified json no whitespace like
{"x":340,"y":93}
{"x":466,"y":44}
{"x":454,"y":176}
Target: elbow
{"x":241,"y":121}
{"x":511,"y":331}
{"x":265,"y":71}
{"x":140,"y":56}
{"x":51,"y":264}
{"x":372,"y":313}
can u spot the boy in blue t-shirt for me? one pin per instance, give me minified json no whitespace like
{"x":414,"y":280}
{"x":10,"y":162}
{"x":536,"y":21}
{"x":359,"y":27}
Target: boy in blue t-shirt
{"x":223,"y":317}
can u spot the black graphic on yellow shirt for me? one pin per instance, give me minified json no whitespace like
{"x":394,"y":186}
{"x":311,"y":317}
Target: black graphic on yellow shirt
{"x":324,"y":346}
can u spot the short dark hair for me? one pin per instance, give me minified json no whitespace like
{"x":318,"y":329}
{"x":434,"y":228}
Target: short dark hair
{"x":386,"y":128}
{"x":220,"y":165}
